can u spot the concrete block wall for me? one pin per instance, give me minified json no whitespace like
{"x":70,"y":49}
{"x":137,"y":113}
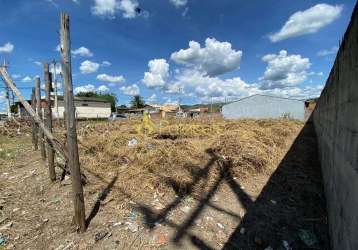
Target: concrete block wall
{"x":336,"y":123}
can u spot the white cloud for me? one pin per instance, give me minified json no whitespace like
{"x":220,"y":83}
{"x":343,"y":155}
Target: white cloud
{"x":27,"y":79}
{"x":131,"y":90}
{"x":327,"y":52}
{"x":88,"y":67}
{"x":111,"y":79}
{"x":307,"y":21}
{"x":284,"y":70}
{"x":103,"y":89}
{"x":205,"y":86}
{"x":85,"y":89}
{"x":58,"y":48}
{"x":129,"y":8}
{"x":38,"y":63}
{"x":82,"y":51}
{"x":105,"y":64}
{"x":152,"y":99}
{"x":214,"y":59}
{"x":174,"y":88}
{"x":158,"y":73}
{"x":296,"y":92}
{"x":7,"y":48}
{"x":15,"y":76}
{"x":179,"y":3}
{"x":108,"y":8}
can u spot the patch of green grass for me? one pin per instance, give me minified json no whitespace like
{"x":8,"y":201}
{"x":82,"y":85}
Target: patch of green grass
{"x":11,"y":147}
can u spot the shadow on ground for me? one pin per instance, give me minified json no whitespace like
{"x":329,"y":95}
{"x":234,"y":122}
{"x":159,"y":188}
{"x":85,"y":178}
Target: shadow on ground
{"x":291,"y":206}
{"x":290,"y":210}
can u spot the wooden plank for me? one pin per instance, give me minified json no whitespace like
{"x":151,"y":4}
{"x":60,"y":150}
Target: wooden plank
{"x":48,"y":122}
{"x":73,"y":159}
{"x":40,"y":113}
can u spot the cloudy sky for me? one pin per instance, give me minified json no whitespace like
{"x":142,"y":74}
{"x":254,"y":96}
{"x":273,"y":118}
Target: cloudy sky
{"x":162,"y":49}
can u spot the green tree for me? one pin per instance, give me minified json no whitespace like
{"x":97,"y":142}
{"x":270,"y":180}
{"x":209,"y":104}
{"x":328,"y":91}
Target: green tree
{"x":106,"y":97}
{"x":137,"y":102}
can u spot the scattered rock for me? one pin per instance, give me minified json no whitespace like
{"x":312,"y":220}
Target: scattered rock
{"x":132,"y":226}
{"x":273,"y":202}
{"x":268,"y":248}
{"x":220,"y":225}
{"x":242,"y":230}
{"x":45,"y":220}
{"x":100,"y":235}
{"x":16,"y":209}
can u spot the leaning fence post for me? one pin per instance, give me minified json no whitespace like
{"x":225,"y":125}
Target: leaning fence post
{"x":39,"y":112}
{"x":48,"y":123}
{"x":65,"y":46}
{"x":34,"y":125}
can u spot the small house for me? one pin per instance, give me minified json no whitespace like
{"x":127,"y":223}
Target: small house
{"x":85,"y":107}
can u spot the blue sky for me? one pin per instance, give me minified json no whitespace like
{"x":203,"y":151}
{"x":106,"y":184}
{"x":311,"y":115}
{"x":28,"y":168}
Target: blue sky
{"x":237,"y":48}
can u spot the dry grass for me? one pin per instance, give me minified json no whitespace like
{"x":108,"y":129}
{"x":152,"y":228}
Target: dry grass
{"x":177,"y":151}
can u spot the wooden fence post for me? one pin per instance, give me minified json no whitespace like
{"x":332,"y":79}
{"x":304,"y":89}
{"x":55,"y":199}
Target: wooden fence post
{"x":34,"y":125}
{"x":48,"y":122}
{"x":40,"y":113}
{"x":72,"y":145}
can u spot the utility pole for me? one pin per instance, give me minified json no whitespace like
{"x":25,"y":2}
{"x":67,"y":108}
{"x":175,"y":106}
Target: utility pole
{"x":73,"y":157}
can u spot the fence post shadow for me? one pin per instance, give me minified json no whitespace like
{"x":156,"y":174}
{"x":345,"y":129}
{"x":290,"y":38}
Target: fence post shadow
{"x":101,"y":197}
{"x":291,"y":201}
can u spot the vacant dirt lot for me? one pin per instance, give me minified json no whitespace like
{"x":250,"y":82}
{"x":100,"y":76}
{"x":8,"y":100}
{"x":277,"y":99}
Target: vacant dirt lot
{"x":207,"y":184}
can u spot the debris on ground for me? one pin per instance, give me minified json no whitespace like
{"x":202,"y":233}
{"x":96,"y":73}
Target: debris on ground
{"x":2,"y":240}
{"x":286,"y":245}
{"x":160,"y":238}
{"x":100,"y":235}
{"x":308,"y":237}
{"x":132,"y":226}
{"x":132,"y":142}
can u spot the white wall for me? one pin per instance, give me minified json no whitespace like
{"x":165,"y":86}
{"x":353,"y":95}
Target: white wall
{"x":263,"y":107}
{"x":86,"y":112}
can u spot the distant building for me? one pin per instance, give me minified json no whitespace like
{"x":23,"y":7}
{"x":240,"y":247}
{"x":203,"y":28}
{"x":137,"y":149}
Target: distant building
{"x":264,"y":106}
{"x":85,"y":107}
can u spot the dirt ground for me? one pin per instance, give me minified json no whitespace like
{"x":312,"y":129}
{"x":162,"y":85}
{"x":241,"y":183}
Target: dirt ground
{"x":283,"y":208}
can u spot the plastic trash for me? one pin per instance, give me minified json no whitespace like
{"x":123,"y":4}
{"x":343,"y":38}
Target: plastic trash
{"x":132,"y":142}
{"x":133,"y":214}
